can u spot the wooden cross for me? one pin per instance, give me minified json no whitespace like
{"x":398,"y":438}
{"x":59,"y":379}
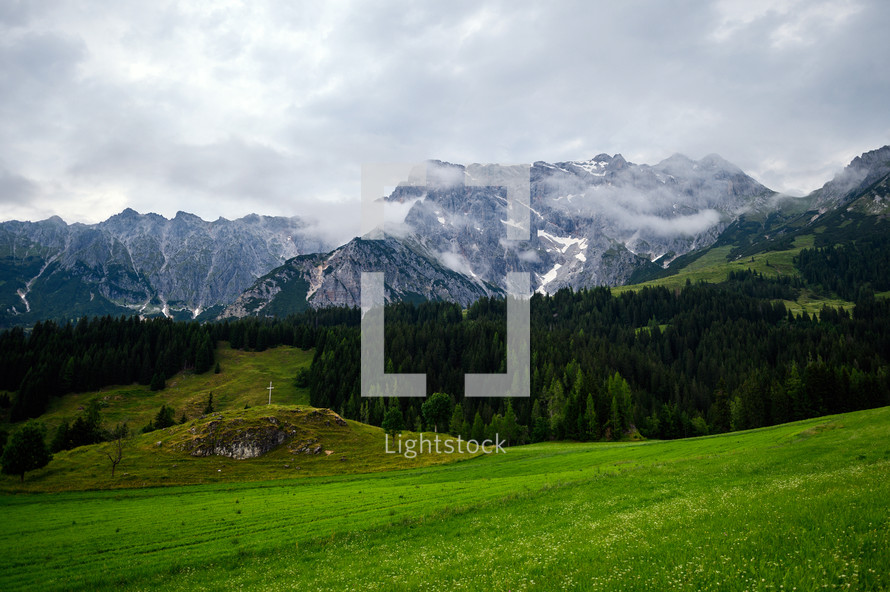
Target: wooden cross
{"x":269,"y":388}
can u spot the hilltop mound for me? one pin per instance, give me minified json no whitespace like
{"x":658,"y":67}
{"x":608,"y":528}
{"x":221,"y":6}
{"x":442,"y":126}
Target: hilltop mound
{"x":260,"y":443}
{"x":241,"y":435}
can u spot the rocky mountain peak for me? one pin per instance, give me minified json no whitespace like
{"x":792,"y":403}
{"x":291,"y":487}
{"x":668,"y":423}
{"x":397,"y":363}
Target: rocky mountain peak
{"x":141,"y":263}
{"x":715,"y":161}
{"x":863,"y":171}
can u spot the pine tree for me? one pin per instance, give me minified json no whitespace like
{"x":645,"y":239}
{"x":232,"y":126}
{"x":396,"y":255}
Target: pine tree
{"x":619,"y":389}
{"x":615,"y":419}
{"x":509,"y":425}
{"x":478,"y":431}
{"x":556,"y":401}
{"x":457,"y":421}
{"x":164,"y":418}
{"x":590,"y":419}
{"x":204,"y":355}
{"x":721,"y":411}
{"x":158,"y":382}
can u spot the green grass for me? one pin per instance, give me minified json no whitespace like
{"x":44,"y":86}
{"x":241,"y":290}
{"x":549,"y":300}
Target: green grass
{"x":799,"y":506}
{"x":242,"y":381}
{"x":163,"y":457}
{"x":713,"y":267}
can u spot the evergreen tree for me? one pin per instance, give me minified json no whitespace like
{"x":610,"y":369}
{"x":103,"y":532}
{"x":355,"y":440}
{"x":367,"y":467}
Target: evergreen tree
{"x":509,"y":426}
{"x":556,"y":401}
{"x":204,"y":355}
{"x":164,"y":418}
{"x":619,"y":390}
{"x":478,"y":431}
{"x":540,"y":426}
{"x":496,"y":427}
{"x":800,"y":400}
{"x":457,"y":421}
{"x":721,"y":409}
{"x":615,"y":420}
{"x":590,"y":421}
{"x":158,"y":382}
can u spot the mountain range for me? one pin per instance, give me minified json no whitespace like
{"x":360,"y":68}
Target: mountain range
{"x":602,"y":221}
{"x":133,"y":263}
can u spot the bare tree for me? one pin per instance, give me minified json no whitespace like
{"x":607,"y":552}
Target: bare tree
{"x":116,"y":454}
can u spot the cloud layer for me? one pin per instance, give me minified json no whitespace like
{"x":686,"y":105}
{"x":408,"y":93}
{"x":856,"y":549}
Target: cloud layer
{"x":272,"y":107}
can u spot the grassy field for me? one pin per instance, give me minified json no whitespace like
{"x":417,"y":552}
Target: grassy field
{"x":802,"y":506}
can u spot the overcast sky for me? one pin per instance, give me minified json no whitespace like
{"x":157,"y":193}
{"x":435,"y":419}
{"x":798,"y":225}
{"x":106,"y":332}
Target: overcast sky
{"x":272,"y":107}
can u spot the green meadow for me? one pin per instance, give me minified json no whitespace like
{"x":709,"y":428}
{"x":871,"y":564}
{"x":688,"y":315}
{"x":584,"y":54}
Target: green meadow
{"x":242,"y":380}
{"x":801,"y":506}
{"x":713,"y":267}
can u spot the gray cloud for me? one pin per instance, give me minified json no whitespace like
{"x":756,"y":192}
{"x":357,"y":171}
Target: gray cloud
{"x":272,"y":107}
{"x":15,"y":189}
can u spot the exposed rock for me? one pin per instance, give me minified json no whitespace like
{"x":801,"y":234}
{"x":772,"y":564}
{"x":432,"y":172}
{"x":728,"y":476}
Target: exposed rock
{"x":863,"y":171}
{"x":241,"y":438}
{"x":248,"y":443}
{"x":147,"y":263}
{"x":593,"y":222}
{"x":410,"y":272}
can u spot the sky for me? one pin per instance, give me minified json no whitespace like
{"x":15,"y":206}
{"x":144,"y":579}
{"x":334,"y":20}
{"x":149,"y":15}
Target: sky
{"x":228,"y":108}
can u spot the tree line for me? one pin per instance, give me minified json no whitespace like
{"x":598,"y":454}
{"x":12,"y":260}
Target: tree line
{"x":51,"y":360}
{"x":846,"y":268}
{"x":660,"y":362}
{"x":666,"y":363}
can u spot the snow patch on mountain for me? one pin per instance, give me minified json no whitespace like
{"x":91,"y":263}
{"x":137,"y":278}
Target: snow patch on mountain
{"x":564,"y":241}
{"x":548,"y":278}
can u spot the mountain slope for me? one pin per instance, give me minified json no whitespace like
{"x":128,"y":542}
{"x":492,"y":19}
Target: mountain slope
{"x":863,"y":172}
{"x":602,"y":221}
{"x":139,"y":263}
{"x":334,"y":279}
{"x":851,"y":208}
{"x":593,"y":222}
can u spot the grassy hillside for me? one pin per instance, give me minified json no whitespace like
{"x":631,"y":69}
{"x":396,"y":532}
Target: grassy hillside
{"x":242,"y":380}
{"x":164,"y":457}
{"x":799,"y":506}
{"x":713,"y":267}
